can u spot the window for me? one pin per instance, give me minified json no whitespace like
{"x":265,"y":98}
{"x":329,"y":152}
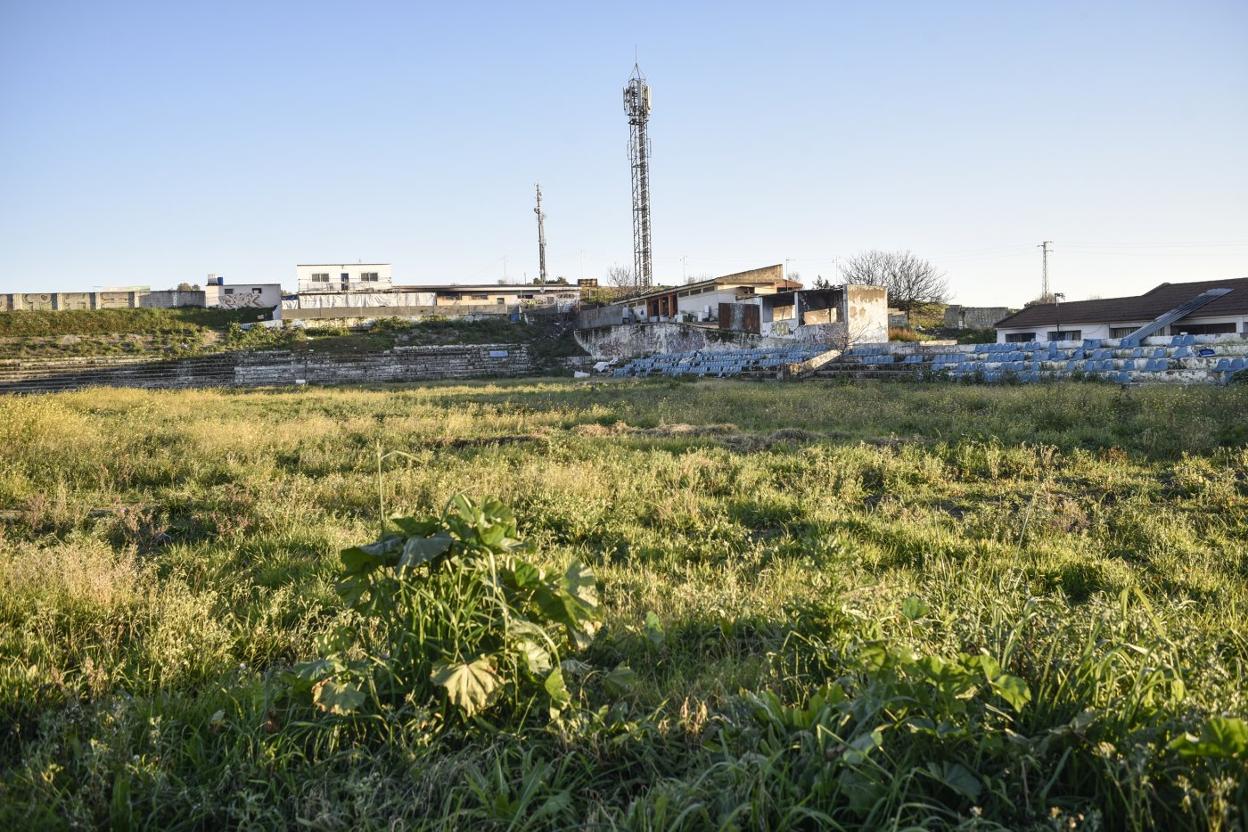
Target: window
{"x":320,"y":277}
{"x":255,"y":291}
{"x":1066,"y":335}
{"x":1121,"y":331}
{"x":369,"y":277}
{"x":1019,"y":337}
{"x":501,"y":301}
{"x":229,"y":291}
{"x":1203,"y":329}
{"x":480,"y":297}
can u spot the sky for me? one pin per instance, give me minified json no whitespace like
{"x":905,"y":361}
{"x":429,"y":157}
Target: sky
{"x":154,"y":143}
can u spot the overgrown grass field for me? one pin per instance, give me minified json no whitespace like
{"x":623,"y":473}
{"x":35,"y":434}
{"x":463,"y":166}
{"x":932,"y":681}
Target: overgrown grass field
{"x":812,"y":606}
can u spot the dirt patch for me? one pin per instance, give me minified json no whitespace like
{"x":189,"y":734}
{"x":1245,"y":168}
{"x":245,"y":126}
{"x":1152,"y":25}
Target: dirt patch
{"x":481,"y":441}
{"x":662,"y":431}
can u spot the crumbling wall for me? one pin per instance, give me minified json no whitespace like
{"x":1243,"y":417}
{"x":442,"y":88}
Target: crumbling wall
{"x":630,"y":340}
{"x":865,"y":313}
{"x":173,"y":298}
{"x":268,"y":367}
{"x":973,"y":317}
{"x":591,"y":318}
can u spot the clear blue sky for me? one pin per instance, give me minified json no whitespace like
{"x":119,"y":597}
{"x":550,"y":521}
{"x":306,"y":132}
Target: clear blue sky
{"x":152,"y":143}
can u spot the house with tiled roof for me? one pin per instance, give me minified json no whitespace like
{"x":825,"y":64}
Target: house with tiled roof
{"x":1207,"y":307}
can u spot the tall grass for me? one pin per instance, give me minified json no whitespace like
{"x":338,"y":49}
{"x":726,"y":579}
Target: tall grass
{"x":805,"y":579}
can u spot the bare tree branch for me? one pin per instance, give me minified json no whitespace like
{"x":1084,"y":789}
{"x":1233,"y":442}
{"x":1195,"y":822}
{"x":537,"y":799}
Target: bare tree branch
{"x":621,"y":276}
{"x":911,"y":281}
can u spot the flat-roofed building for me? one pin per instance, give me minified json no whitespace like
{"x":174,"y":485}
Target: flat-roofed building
{"x":344,"y":277}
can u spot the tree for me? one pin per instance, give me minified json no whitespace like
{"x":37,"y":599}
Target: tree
{"x":621,"y":276}
{"x":188,"y":287}
{"x":911,"y":281}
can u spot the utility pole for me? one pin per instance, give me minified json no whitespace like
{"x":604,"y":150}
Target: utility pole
{"x":1044,"y":273}
{"x":684,"y":268}
{"x":541,"y":235}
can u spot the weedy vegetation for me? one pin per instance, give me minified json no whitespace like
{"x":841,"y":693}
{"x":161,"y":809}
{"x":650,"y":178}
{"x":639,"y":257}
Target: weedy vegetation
{"x":646,"y":605}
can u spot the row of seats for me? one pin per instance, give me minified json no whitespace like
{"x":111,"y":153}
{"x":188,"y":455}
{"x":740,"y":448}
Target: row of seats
{"x":1031,"y":361}
{"x":717,"y":363}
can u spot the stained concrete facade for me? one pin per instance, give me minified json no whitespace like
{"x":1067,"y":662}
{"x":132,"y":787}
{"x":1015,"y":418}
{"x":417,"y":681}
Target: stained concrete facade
{"x":243,"y":296}
{"x":128,"y":297}
{"x":974,"y":317}
{"x":852,"y":314}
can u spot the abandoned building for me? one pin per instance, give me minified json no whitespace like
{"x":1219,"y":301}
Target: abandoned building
{"x":700,"y":301}
{"x":123,"y":297}
{"x":745,"y":308}
{"x":418,"y":301}
{"x":851,"y":314}
{"x":1210,"y":307}
{"x":215,"y":295}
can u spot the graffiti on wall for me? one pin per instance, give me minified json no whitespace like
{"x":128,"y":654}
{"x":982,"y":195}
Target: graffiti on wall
{"x":244,"y":300}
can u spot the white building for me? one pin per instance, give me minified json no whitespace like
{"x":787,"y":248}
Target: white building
{"x":344,"y":277}
{"x":1190,"y":309}
{"x":220,"y":295}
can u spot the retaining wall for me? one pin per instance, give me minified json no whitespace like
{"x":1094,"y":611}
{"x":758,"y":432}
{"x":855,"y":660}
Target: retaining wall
{"x":267,"y":368}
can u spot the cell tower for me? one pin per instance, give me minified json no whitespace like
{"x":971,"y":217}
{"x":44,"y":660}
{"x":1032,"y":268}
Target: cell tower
{"x":1044,"y":269}
{"x":541,"y":236}
{"x":637,"y":105}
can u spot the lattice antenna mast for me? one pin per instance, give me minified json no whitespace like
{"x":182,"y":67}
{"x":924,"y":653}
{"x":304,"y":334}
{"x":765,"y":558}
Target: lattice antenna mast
{"x":637,"y":106}
{"x":1044,"y":269}
{"x":541,"y":236}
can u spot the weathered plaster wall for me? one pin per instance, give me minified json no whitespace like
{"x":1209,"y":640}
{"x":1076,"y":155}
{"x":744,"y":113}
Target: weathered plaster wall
{"x":866,"y":313}
{"x":973,"y":317}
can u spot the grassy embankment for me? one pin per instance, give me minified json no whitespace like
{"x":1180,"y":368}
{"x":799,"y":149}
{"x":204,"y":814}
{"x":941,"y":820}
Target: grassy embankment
{"x":826,"y":566}
{"x":176,"y":333}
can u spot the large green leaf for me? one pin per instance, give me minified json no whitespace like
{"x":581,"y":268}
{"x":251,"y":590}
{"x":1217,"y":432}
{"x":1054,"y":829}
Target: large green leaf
{"x":579,"y":583}
{"x":468,"y":686}
{"x":621,"y":681}
{"x":1219,"y":737}
{"x":1013,"y":690}
{"x":959,"y":778}
{"x":557,"y":690}
{"x":654,"y":629}
{"x":913,"y":608}
{"x":419,"y":550}
{"x":337,"y":697}
{"x":533,"y":644}
{"x":384,"y":552}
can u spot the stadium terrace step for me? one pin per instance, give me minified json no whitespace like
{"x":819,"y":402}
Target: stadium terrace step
{"x":1181,"y":358}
